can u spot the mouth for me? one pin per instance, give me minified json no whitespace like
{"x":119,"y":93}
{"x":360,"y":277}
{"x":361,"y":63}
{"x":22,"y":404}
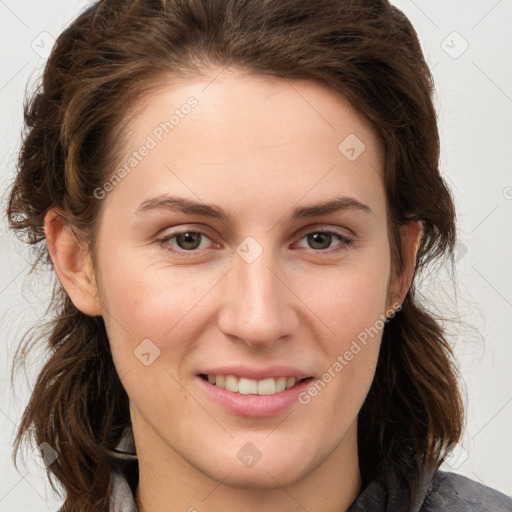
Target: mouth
{"x":252,"y":398}
{"x":246,"y":386}
{"x":252,"y":391}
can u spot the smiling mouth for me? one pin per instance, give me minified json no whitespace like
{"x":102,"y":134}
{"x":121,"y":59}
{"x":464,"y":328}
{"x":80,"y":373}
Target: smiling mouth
{"x":245,"y":386}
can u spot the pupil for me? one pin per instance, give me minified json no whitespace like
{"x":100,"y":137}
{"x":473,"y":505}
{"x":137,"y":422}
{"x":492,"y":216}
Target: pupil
{"x":185,"y":239}
{"x":318,"y":238}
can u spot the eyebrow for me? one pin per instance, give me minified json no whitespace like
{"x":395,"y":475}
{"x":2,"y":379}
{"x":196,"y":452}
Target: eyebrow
{"x":181,"y":204}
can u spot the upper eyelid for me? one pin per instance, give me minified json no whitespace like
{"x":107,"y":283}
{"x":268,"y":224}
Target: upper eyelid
{"x":305,"y":229}
{"x":345,"y":232}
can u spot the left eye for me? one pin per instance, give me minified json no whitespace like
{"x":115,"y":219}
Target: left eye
{"x":322,"y":240}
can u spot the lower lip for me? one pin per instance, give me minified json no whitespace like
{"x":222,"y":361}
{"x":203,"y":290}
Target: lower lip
{"x":254,"y":406}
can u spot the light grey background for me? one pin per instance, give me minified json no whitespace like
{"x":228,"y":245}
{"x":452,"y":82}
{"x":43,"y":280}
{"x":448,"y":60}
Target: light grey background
{"x":469,"y":48}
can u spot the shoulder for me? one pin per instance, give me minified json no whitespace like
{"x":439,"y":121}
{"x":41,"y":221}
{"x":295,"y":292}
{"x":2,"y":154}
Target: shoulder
{"x":450,"y":491}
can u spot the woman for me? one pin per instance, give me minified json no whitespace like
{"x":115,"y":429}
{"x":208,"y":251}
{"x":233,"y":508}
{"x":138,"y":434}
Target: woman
{"x":185,"y":164}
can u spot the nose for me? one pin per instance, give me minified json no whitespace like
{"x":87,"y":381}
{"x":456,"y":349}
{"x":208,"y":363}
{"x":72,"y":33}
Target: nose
{"x":258,"y":302}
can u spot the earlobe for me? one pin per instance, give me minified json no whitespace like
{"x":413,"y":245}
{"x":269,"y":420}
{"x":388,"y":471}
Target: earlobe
{"x":72,"y":263}
{"x":410,"y":237}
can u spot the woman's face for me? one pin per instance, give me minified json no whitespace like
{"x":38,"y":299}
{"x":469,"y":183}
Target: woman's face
{"x":273,"y":288}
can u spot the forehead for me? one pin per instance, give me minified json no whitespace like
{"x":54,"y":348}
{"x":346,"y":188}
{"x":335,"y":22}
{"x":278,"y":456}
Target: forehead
{"x":238,"y":138}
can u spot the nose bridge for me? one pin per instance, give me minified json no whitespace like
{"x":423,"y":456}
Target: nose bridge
{"x":256,"y":302}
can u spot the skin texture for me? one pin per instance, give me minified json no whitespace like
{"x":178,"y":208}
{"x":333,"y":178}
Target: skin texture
{"x":257,"y":147}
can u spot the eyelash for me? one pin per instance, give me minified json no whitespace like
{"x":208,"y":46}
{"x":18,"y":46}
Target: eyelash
{"x":346,"y":242}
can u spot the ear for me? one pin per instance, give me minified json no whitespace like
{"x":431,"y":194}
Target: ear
{"x":410,"y":237}
{"x":72,"y":263}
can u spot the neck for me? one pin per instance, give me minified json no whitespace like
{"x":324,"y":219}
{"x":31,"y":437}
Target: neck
{"x":167,"y":481}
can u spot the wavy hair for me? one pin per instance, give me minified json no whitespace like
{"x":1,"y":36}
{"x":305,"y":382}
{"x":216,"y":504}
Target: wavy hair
{"x":116,"y":50}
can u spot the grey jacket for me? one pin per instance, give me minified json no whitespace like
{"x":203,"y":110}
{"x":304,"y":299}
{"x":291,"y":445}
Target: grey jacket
{"x":442,"y":491}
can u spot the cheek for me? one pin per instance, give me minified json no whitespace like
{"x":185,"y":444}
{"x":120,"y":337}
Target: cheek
{"x":150,"y":318}
{"x":156,"y":302}
{"x":353,"y":311}
{"x":348,"y":300}
{"x":137,"y":294}
{"x":351,"y":302}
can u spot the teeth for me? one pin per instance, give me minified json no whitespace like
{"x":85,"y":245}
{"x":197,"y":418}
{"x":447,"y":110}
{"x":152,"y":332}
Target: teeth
{"x":231,"y":383}
{"x":246,"y":386}
{"x":290,"y":382}
{"x":280,"y":384}
{"x":266,"y":386}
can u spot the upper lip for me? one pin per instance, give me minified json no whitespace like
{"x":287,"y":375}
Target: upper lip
{"x":255,"y":373}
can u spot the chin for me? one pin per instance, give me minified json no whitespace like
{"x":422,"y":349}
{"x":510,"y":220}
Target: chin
{"x":261,"y":476}
{"x":246,"y":466}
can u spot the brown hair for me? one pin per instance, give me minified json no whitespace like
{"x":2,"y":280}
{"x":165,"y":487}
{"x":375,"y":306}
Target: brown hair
{"x":116,"y":49}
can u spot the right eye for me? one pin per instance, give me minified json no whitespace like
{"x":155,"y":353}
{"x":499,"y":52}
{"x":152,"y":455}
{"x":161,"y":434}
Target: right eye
{"x":184,"y":242}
